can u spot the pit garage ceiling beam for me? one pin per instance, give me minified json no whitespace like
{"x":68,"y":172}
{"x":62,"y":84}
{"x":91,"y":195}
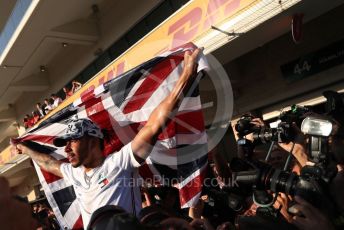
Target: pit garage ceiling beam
{"x":7,"y":129}
{"x":34,"y":83}
{"x":83,"y":32}
{"x":8,"y":115}
{"x":6,"y":75}
{"x":18,"y":174}
{"x":4,"y":126}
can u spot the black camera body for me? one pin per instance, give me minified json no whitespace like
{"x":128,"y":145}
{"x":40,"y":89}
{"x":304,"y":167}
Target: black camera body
{"x":284,"y":133}
{"x":309,"y":184}
{"x":313,"y":182}
{"x":295,"y":115}
{"x":244,"y":126}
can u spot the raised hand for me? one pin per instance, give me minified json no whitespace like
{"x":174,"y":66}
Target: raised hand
{"x":312,"y":219}
{"x":190,"y":62}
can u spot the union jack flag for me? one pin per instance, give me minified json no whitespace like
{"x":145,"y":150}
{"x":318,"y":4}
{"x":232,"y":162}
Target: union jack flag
{"x":121,"y":107}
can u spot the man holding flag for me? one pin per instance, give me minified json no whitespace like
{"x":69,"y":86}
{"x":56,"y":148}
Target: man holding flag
{"x":99,"y":180}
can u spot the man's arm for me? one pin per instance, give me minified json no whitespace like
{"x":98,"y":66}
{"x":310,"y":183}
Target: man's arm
{"x":45,"y":161}
{"x":144,"y":141}
{"x":298,"y":151}
{"x":75,"y":85}
{"x":297,"y":146}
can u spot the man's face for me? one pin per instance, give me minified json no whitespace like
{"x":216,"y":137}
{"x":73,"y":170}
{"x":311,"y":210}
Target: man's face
{"x":77,"y":151}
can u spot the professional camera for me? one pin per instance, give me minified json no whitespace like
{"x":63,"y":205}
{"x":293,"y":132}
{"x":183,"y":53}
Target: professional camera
{"x":244,"y":126}
{"x":263,"y":177}
{"x":224,"y":204}
{"x":296,"y":114}
{"x":284,"y":133}
{"x":312,"y":182}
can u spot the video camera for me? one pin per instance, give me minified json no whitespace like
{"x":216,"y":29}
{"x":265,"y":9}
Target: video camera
{"x":263,"y":177}
{"x":284,"y":133}
{"x":312,"y":183}
{"x":308,"y":184}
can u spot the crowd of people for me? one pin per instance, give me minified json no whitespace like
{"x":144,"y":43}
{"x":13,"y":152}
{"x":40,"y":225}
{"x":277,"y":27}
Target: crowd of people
{"x":49,"y":104}
{"x":44,"y":216}
{"x":266,"y":199}
{"x":222,"y":205}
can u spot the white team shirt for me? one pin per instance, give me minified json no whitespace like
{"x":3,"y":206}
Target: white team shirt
{"x":111,"y":183}
{"x":56,"y":103}
{"x":48,"y":108}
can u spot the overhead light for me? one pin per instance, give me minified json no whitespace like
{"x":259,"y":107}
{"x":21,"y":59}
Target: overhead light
{"x":10,"y":66}
{"x":98,"y":52}
{"x":269,"y":114}
{"x":95,"y":8}
{"x":42,"y":68}
{"x":64,"y":44}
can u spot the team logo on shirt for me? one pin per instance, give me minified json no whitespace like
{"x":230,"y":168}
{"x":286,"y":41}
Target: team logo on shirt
{"x":102,"y":180}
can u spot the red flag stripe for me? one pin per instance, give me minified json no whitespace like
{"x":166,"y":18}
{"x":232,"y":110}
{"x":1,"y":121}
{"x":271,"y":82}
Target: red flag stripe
{"x":87,"y":96}
{"x":78,"y":224}
{"x":157,"y":75}
{"x":39,"y":138}
{"x":49,"y":177}
{"x":189,"y":122}
{"x":96,"y":112}
{"x":145,"y":172}
{"x":192,"y":188}
{"x":194,"y":124}
{"x":185,"y":123}
{"x":178,"y":132}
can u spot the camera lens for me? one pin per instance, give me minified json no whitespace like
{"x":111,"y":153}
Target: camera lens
{"x":282,"y":181}
{"x":268,"y":178}
{"x":244,"y":126}
{"x":265,"y":135}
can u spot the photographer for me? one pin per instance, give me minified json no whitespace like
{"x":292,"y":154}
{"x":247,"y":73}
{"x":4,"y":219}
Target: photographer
{"x":336,"y":144}
{"x":312,"y":218}
{"x":245,"y":151}
{"x":297,"y":146}
{"x":313,"y":181}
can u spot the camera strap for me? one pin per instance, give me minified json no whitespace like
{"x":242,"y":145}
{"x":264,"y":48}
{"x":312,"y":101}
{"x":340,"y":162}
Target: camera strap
{"x":133,"y":195}
{"x":274,"y":180}
{"x":260,"y":204}
{"x":287,"y":162}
